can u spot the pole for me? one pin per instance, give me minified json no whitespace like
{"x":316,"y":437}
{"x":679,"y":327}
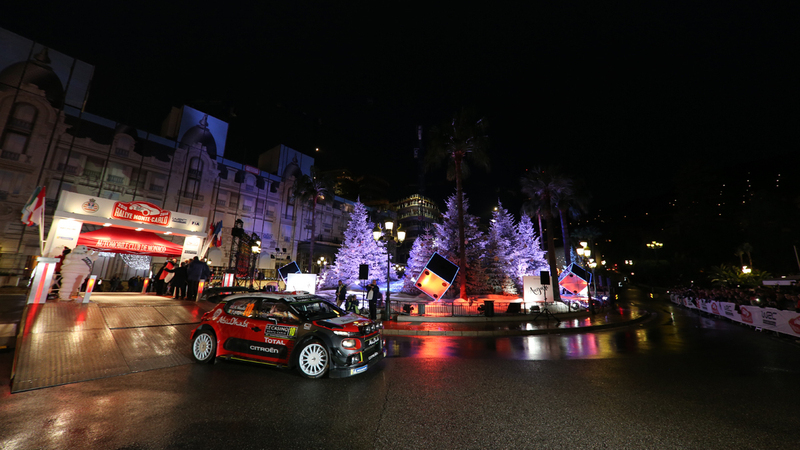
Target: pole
{"x":388,"y":281}
{"x":795,"y":256}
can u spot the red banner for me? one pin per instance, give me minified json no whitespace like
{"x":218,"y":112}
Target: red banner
{"x":143,"y":212}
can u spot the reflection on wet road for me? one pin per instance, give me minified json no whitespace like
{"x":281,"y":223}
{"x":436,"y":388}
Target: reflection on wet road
{"x":608,"y":344}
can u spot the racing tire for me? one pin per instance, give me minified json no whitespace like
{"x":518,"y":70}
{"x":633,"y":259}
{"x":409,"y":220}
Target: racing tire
{"x":313,"y":359}
{"x":204,"y":347}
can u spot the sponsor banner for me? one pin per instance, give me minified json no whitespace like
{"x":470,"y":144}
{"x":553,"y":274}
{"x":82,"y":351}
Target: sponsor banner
{"x":728,"y":309}
{"x":96,"y":209}
{"x":789,"y":323}
{"x":533,"y":290}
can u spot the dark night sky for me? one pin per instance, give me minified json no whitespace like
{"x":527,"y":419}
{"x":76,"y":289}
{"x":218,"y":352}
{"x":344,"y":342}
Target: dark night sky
{"x":620,"y":94}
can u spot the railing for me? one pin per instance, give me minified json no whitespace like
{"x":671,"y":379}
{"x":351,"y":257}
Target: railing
{"x":156,"y":188}
{"x":247,"y":208}
{"x":91,"y":173}
{"x":249,"y":188}
{"x":222,"y":202}
{"x":7,"y":154}
{"x":72,"y":170}
{"x":464,"y":309}
{"x":270,"y":213}
{"x":115,"y":179}
{"x":21,"y":124}
{"x":122,"y":152}
{"x":192,"y":195}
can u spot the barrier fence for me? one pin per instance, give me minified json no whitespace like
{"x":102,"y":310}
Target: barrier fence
{"x":777,"y":320}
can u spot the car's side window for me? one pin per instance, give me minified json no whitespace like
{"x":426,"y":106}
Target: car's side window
{"x":277,"y":310}
{"x":243,"y":307}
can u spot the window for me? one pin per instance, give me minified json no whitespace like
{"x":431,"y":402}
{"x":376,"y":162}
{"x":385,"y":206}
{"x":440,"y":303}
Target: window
{"x":247,"y":204}
{"x":17,"y":131}
{"x":243,"y":307}
{"x":276,"y":310}
{"x":259,"y":206}
{"x":158,"y":182}
{"x":94,"y":168}
{"x":195,"y":175}
{"x":222,"y":198}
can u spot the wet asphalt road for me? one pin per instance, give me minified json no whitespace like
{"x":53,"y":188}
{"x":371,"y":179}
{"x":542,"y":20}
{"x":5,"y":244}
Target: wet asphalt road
{"x":678,"y":381}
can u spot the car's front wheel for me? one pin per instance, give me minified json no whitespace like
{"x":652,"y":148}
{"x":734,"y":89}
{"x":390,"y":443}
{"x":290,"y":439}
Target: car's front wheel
{"x":313,"y":360}
{"x":204,"y":347}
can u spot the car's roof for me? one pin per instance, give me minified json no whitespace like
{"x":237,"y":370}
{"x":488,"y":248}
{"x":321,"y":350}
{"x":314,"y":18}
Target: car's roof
{"x":289,"y":296}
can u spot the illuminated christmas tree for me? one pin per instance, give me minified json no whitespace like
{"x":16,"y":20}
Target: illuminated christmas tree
{"x":447,"y":245}
{"x":359,"y":247}
{"x":501,"y":270}
{"x":421,"y":251}
{"x":529,"y":258}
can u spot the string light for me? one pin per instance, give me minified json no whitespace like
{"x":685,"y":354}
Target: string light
{"x":136,"y":262}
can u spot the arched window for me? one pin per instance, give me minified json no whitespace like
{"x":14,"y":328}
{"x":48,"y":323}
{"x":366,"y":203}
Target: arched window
{"x":18,"y":131}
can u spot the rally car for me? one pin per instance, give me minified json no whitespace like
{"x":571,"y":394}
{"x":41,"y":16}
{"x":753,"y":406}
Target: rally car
{"x":289,"y":330}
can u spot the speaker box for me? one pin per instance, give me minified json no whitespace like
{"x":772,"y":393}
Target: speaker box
{"x":292,"y":267}
{"x":239,"y":177}
{"x":544,"y":278}
{"x":363,"y":272}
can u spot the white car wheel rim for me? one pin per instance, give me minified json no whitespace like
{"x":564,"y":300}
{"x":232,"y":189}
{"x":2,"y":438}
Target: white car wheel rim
{"x":202,"y":346}
{"x":313,"y":359}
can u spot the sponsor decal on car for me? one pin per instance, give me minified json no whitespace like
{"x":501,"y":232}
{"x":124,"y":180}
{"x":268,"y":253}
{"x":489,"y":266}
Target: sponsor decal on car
{"x":306,"y":326}
{"x":280,"y":331}
{"x":216,"y":315}
{"x":255,"y":348}
{"x":372,"y":356}
{"x":233,"y":321}
{"x":274,"y":341}
{"x":373,"y":341}
{"x":359,"y":370}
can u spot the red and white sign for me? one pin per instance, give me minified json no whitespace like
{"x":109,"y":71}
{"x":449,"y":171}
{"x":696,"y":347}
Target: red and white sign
{"x":143,"y":212}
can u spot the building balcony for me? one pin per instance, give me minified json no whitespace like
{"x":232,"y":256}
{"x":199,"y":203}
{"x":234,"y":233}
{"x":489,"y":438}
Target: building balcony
{"x":7,"y":154}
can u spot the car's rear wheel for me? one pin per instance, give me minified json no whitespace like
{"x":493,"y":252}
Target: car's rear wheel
{"x":313,"y":360}
{"x":204,"y":347}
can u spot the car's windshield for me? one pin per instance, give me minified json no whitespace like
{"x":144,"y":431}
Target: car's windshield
{"x":316,"y":308}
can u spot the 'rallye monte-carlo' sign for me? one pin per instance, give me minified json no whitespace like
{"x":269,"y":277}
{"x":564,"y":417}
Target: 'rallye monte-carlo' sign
{"x":140,"y":212}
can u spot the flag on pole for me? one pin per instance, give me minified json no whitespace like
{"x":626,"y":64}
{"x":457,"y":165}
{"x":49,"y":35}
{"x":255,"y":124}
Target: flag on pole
{"x":33,"y":211}
{"x":215,"y":234}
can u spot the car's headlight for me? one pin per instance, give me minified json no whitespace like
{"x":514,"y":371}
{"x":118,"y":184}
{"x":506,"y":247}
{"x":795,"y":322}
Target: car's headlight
{"x":344,"y":333}
{"x":349,"y":343}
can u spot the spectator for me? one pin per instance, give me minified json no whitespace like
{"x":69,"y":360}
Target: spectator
{"x":196,"y":271}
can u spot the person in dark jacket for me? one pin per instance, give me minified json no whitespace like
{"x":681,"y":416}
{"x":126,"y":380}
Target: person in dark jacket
{"x":179,"y":280}
{"x":196,"y":270}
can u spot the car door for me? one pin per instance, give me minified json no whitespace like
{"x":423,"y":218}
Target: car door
{"x":235,"y":325}
{"x":275,"y":333}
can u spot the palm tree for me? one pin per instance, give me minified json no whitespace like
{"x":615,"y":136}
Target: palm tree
{"x":311,"y":189}
{"x":464,"y":136}
{"x":570,"y":204}
{"x":746,"y":249}
{"x":543,"y":187}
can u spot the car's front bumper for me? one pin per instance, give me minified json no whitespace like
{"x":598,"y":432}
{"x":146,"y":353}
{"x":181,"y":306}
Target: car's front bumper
{"x":372,"y":359}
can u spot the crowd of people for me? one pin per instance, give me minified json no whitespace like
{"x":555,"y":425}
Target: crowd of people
{"x":180,"y":281}
{"x":779,"y":297}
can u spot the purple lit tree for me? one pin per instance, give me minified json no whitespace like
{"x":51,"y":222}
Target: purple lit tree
{"x":359,"y":247}
{"x":475,"y":243}
{"x":501,"y":252}
{"x":421,"y":251}
{"x":529,"y":258}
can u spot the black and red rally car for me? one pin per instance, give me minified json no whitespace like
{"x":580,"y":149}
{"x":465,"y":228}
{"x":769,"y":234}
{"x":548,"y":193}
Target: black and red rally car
{"x":289,"y":329}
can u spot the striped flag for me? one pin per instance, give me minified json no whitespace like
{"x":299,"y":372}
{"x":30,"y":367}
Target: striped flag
{"x":216,"y":234}
{"x":33,"y":212}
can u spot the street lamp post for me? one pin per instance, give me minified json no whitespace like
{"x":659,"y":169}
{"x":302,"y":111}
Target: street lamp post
{"x":585,"y":253}
{"x":655,"y":246}
{"x":389,"y":235}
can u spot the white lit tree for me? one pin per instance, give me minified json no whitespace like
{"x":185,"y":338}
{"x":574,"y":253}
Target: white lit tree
{"x":447,"y":245}
{"x":501,"y":271}
{"x":529,"y":258}
{"x":421,"y":251}
{"x":359,"y":247}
